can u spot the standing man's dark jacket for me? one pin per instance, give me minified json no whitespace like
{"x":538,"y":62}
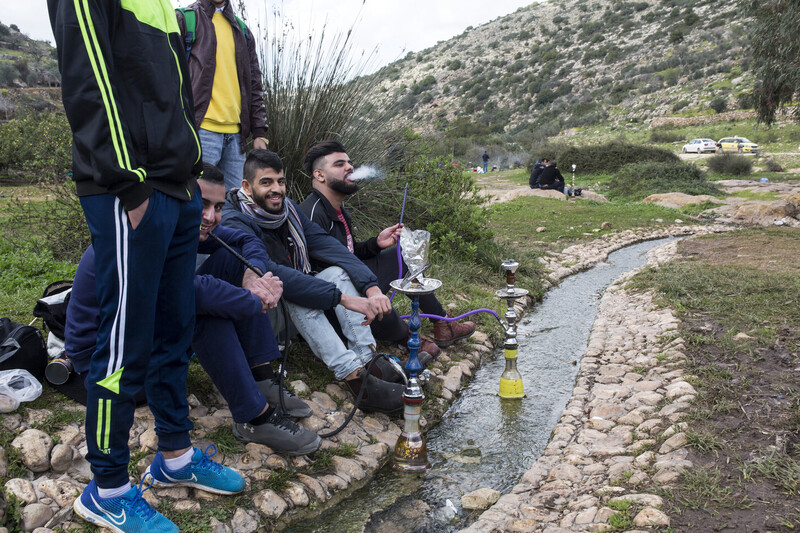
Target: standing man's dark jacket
{"x":321,"y":212}
{"x":128,"y":137}
{"x":302,"y":289}
{"x":202,"y":66}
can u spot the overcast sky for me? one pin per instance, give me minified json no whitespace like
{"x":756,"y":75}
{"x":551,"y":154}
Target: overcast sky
{"x":395,"y":26}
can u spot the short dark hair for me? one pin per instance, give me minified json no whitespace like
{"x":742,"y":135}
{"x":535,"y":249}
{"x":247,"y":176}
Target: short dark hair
{"x":320,"y":150}
{"x":259,"y":158}
{"x":212,"y":174}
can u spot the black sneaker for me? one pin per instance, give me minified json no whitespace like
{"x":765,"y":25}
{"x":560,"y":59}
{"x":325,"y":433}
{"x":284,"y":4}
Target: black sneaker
{"x":295,"y":407}
{"x":379,"y":395}
{"x":280,"y":433}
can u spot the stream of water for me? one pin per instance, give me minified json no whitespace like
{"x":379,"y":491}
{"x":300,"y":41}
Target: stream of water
{"x":484,"y":441}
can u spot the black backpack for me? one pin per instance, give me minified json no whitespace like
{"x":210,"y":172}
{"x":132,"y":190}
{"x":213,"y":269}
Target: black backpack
{"x":23,"y":347}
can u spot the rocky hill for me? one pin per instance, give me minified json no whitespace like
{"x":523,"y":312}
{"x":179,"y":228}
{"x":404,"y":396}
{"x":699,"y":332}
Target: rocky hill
{"x":567,"y":63}
{"x":26,"y":62}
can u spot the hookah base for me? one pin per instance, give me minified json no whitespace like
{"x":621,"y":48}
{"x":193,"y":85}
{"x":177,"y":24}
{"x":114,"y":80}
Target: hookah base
{"x":511,"y":389}
{"x":410,"y":454}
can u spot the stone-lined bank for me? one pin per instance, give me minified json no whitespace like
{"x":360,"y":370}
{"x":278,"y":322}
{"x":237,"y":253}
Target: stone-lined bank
{"x":56,"y":470}
{"x":621,"y":424}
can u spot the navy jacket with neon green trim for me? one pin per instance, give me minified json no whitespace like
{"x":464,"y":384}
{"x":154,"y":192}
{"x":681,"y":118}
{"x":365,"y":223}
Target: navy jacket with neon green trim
{"x":128,"y":99}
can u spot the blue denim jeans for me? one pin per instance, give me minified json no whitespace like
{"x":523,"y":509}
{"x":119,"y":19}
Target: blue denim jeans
{"x":323,"y":340}
{"x":223,"y":151}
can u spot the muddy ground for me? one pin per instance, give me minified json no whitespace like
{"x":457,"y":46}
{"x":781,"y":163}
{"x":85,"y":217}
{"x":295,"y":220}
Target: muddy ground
{"x":745,"y":425}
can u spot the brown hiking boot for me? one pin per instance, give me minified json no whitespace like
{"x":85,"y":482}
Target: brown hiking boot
{"x":446,"y":333}
{"x":426,"y":344}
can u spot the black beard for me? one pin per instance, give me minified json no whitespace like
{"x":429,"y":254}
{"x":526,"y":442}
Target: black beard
{"x":343,"y":187}
{"x":262,"y":203}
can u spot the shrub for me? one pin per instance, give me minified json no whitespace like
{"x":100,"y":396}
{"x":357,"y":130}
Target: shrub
{"x":718,"y":104}
{"x":35,"y":145}
{"x":639,"y":180}
{"x":608,"y":157}
{"x":773,"y":166}
{"x":442,"y":199}
{"x":664,"y":135}
{"x":55,"y":223}
{"x":314,"y":90}
{"x":733,"y":165}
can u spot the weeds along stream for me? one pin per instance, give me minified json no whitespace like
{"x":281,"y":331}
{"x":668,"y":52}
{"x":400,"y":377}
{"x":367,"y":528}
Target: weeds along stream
{"x":484,"y":441}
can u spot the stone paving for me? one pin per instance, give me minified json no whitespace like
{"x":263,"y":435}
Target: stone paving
{"x":619,"y":425}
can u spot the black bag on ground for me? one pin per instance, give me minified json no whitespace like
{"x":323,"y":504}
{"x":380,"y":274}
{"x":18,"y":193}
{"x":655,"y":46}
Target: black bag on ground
{"x":23,"y":347}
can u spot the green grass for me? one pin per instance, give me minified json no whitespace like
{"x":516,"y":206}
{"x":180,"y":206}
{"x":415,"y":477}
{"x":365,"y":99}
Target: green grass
{"x":778,"y":467}
{"x":515,"y":222}
{"x":622,"y":520}
{"x":223,"y":439}
{"x":25,"y":271}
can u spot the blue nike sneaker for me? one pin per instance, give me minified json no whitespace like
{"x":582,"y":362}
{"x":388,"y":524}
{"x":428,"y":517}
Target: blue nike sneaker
{"x":129,"y":513}
{"x":201,"y":473}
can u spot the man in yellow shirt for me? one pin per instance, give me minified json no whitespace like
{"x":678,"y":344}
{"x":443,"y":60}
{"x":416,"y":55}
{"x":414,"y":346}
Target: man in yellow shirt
{"x":226,"y":85}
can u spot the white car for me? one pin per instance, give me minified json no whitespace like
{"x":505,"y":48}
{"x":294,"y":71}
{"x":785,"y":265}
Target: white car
{"x":698,"y":146}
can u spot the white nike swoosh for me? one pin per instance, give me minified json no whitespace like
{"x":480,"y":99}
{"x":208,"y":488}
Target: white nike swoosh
{"x":193,"y":478}
{"x":118,"y":519}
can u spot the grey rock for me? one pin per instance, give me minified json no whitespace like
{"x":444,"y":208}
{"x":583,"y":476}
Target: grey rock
{"x":270,"y":504}
{"x":243,"y":522}
{"x":22,"y":489}
{"x":61,"y":457}
{"x":62,"y":492}
{"x":651,"y":517}
{"x":35,"y":515}
{"x":480,"y":499}
{"x":34,"y":446}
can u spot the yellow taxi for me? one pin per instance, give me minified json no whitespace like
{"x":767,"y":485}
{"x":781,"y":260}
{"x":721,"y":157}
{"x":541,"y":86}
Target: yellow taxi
{"x":736,"y":144}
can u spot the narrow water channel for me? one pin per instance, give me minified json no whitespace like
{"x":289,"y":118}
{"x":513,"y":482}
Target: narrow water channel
{"x":484,"y":441}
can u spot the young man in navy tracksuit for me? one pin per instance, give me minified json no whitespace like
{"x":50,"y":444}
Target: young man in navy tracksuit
{"x":136,"y":156}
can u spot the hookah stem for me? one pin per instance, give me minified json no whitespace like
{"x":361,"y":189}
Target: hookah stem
{"x":236,"y":254}
{"x":399,"y":257}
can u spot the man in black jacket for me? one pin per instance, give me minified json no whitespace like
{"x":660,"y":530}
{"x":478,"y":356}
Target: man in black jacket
{"x":536,"y":173}
{"x":551,"y":177}
{"x":260,"y":207}
{"x":330,"y":169}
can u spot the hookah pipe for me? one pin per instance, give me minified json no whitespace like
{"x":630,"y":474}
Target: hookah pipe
{"x":285,"y":353}
{"x":400,"y":271}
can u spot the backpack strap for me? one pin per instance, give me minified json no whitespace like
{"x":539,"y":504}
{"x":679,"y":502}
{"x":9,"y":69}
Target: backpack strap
{"x":242,"y":25}
{"x":190,"y":17}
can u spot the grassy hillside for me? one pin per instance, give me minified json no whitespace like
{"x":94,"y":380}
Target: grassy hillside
{"x":563,"y":64}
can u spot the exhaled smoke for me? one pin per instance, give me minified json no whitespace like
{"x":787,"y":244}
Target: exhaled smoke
{"x":366,"y":172}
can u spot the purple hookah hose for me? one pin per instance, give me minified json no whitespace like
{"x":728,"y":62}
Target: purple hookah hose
{"x":399,"y":257}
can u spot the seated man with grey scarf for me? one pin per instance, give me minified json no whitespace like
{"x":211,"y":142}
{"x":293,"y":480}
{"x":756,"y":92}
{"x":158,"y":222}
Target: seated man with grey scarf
{"x":348,"y":288}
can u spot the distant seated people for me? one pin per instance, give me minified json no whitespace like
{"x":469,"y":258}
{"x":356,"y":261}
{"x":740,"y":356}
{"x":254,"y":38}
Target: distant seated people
{"x":294,"y":243}
{"x":536,"y":173}
{"x":551,"y":177}
{"x":233,"y":337}
{"x":330,"y":169}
